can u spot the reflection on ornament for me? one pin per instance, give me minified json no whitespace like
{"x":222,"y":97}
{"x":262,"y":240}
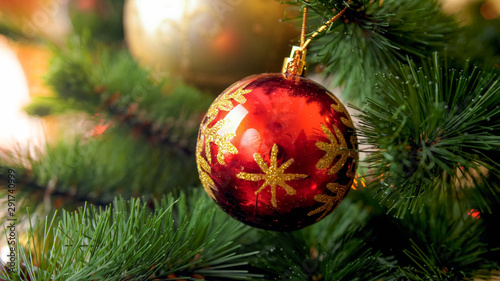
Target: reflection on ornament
{"x":277,"y":151}
{"x":209,"y":43}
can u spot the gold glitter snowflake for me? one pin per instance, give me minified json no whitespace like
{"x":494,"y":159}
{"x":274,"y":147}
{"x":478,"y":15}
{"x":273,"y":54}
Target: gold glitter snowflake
{"x":331,"y":202}
{"x":341,"y":109}
{"x":224,"y":102}
{"x":222,"y":141}
{"x":333,"y":150}
{"x":204,"y":170}
{"x":210,"y":134}
{"x":273,"y":175}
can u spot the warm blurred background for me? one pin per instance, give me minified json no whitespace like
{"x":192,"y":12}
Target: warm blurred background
{"x":205,"y":45}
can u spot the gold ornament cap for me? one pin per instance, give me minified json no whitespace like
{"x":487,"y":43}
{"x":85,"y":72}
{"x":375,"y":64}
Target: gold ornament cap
{"x":296,"y":63}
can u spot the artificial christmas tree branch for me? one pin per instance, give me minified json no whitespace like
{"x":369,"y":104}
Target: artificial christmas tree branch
{"x":444,"y":244}
{"x":82,"y":82}
{"x":96,"y":168}
{"x":430,"y":127}
{"x":12,"y":31}
{"x":374,"y":35}
{"x":179,"y":239}
{"x":333,"y":249}
{"x":31,"y":191}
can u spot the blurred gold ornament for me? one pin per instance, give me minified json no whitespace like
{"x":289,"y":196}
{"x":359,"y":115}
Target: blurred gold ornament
{"x":208,"y":43}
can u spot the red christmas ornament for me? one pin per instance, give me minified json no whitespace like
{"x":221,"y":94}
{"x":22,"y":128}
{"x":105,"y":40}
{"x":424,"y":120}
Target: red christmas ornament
{"x":277,"y":151}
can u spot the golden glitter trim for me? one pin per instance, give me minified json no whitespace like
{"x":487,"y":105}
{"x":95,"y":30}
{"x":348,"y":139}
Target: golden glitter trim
{"x":210,"y":134}
{"x":208,"y":184}
{"x":338,"y":105}
{"x":331,"y":202}
{"x":222,"y":141}
{"x":273,"y":175}
{"x":204,"y":171}
{"x":341,"y":109}
{"x":333,"y":150}
{"x":224,"y":102}
{"x":347,"y":121}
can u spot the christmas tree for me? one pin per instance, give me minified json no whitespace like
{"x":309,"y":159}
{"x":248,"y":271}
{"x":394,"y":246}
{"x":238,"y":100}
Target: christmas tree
{"x":114,"y":193}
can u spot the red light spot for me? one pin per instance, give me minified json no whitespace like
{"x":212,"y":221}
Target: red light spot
{"x":474,"y":213}
{"x":100,"y":128}
{"x":226,"y":42}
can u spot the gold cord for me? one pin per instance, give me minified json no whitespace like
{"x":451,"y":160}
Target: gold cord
{"x":295,"y":64}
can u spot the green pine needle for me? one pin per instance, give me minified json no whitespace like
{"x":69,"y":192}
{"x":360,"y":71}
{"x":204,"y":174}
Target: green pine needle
{"x":431,"y":129}
{"x":105,"y":24}
{"x":95,"y":169}
{"x":186,"y":238}
{"x":102,"y":80}
{"x":332,"y":249}
{"x":373,"y":36}
{"x":445,"y":244}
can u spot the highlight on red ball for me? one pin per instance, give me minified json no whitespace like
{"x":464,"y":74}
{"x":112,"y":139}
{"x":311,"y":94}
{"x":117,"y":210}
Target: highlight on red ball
{"x":277,"y":152}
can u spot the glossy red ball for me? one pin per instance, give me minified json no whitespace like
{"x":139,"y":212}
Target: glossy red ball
{"x":277,"y":152}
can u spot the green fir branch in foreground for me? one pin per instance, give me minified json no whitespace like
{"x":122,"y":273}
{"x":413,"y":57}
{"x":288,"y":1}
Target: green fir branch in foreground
{"x":430,"y":129}
{"x":188,"y":238}
{"x":193,"y":239}
{"x":332,"y":249}
{"x":373,"y":36}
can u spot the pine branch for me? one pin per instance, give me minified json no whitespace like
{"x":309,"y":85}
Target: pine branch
{"x":112,"y":82}
{"x":31,"y":192}
{"x":185,"y":238}
{"x":104,"y":22}
{"x":374,"y":35}
{"x":333,"y":249}
{"x":13,"y":31}
{"x":431,"y":128}
{"x":95,"y":169}
{"x":446,"y":244}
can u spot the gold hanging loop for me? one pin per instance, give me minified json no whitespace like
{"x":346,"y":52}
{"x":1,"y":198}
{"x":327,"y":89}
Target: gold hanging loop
{"x":295,"y":64}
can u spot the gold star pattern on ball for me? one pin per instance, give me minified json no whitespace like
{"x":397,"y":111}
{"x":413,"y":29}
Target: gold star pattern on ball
{"x":331,"y":202}
{"x":211,"y":134}
{"x":204,"y":171}
{"x":334,"y":149}
{"x":341,"y":109}
{"x":273,"y":175}
{"x":224,"y":103}
{"x":222,"y":141}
